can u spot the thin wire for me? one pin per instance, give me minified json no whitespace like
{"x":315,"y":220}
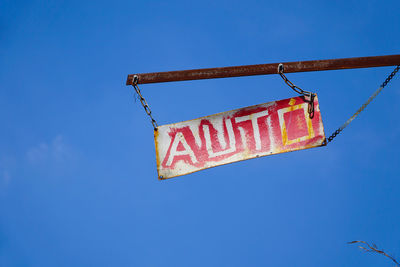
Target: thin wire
{"x":341,"y":128}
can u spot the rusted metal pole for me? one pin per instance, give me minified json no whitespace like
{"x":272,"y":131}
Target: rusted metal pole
{"x":263,"y":69}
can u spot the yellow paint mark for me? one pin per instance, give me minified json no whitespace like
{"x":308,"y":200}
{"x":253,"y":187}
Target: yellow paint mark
{"x":156,"y":133}
{"x":310,"y":129}
{"x":292,"y":101}
{"x":284,"y":134}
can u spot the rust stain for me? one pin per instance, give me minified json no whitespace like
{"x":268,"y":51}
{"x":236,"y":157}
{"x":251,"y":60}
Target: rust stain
{"x":263,"y":69}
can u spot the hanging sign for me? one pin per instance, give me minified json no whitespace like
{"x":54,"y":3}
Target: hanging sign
{"x":251,"y":132}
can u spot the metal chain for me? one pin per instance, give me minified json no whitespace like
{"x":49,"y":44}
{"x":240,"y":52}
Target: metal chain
{"x":144,"y":102}
{"x":309,"y":96}
{"x":341,"y":128}
{"x":291,"y":85}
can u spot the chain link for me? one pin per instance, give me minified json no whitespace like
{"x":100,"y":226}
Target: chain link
{"x":309,"y":96}
{"x":341,"y":128}
{"x":144,"y":102}
{"x":291,"y":85}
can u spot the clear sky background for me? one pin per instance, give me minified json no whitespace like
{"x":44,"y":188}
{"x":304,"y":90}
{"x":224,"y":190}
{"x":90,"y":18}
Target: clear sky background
{"x":78,"y":180}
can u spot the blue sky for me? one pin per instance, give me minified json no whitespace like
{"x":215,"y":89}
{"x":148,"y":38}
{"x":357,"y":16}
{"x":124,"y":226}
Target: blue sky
{"x":78,"y":181}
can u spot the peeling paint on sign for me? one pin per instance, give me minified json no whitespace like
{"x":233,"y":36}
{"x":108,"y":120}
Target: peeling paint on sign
{"x":260,"y":130}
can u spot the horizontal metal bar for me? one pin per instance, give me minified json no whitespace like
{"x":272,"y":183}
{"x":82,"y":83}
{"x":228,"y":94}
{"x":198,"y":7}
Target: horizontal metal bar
{"x":263,"y":69}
